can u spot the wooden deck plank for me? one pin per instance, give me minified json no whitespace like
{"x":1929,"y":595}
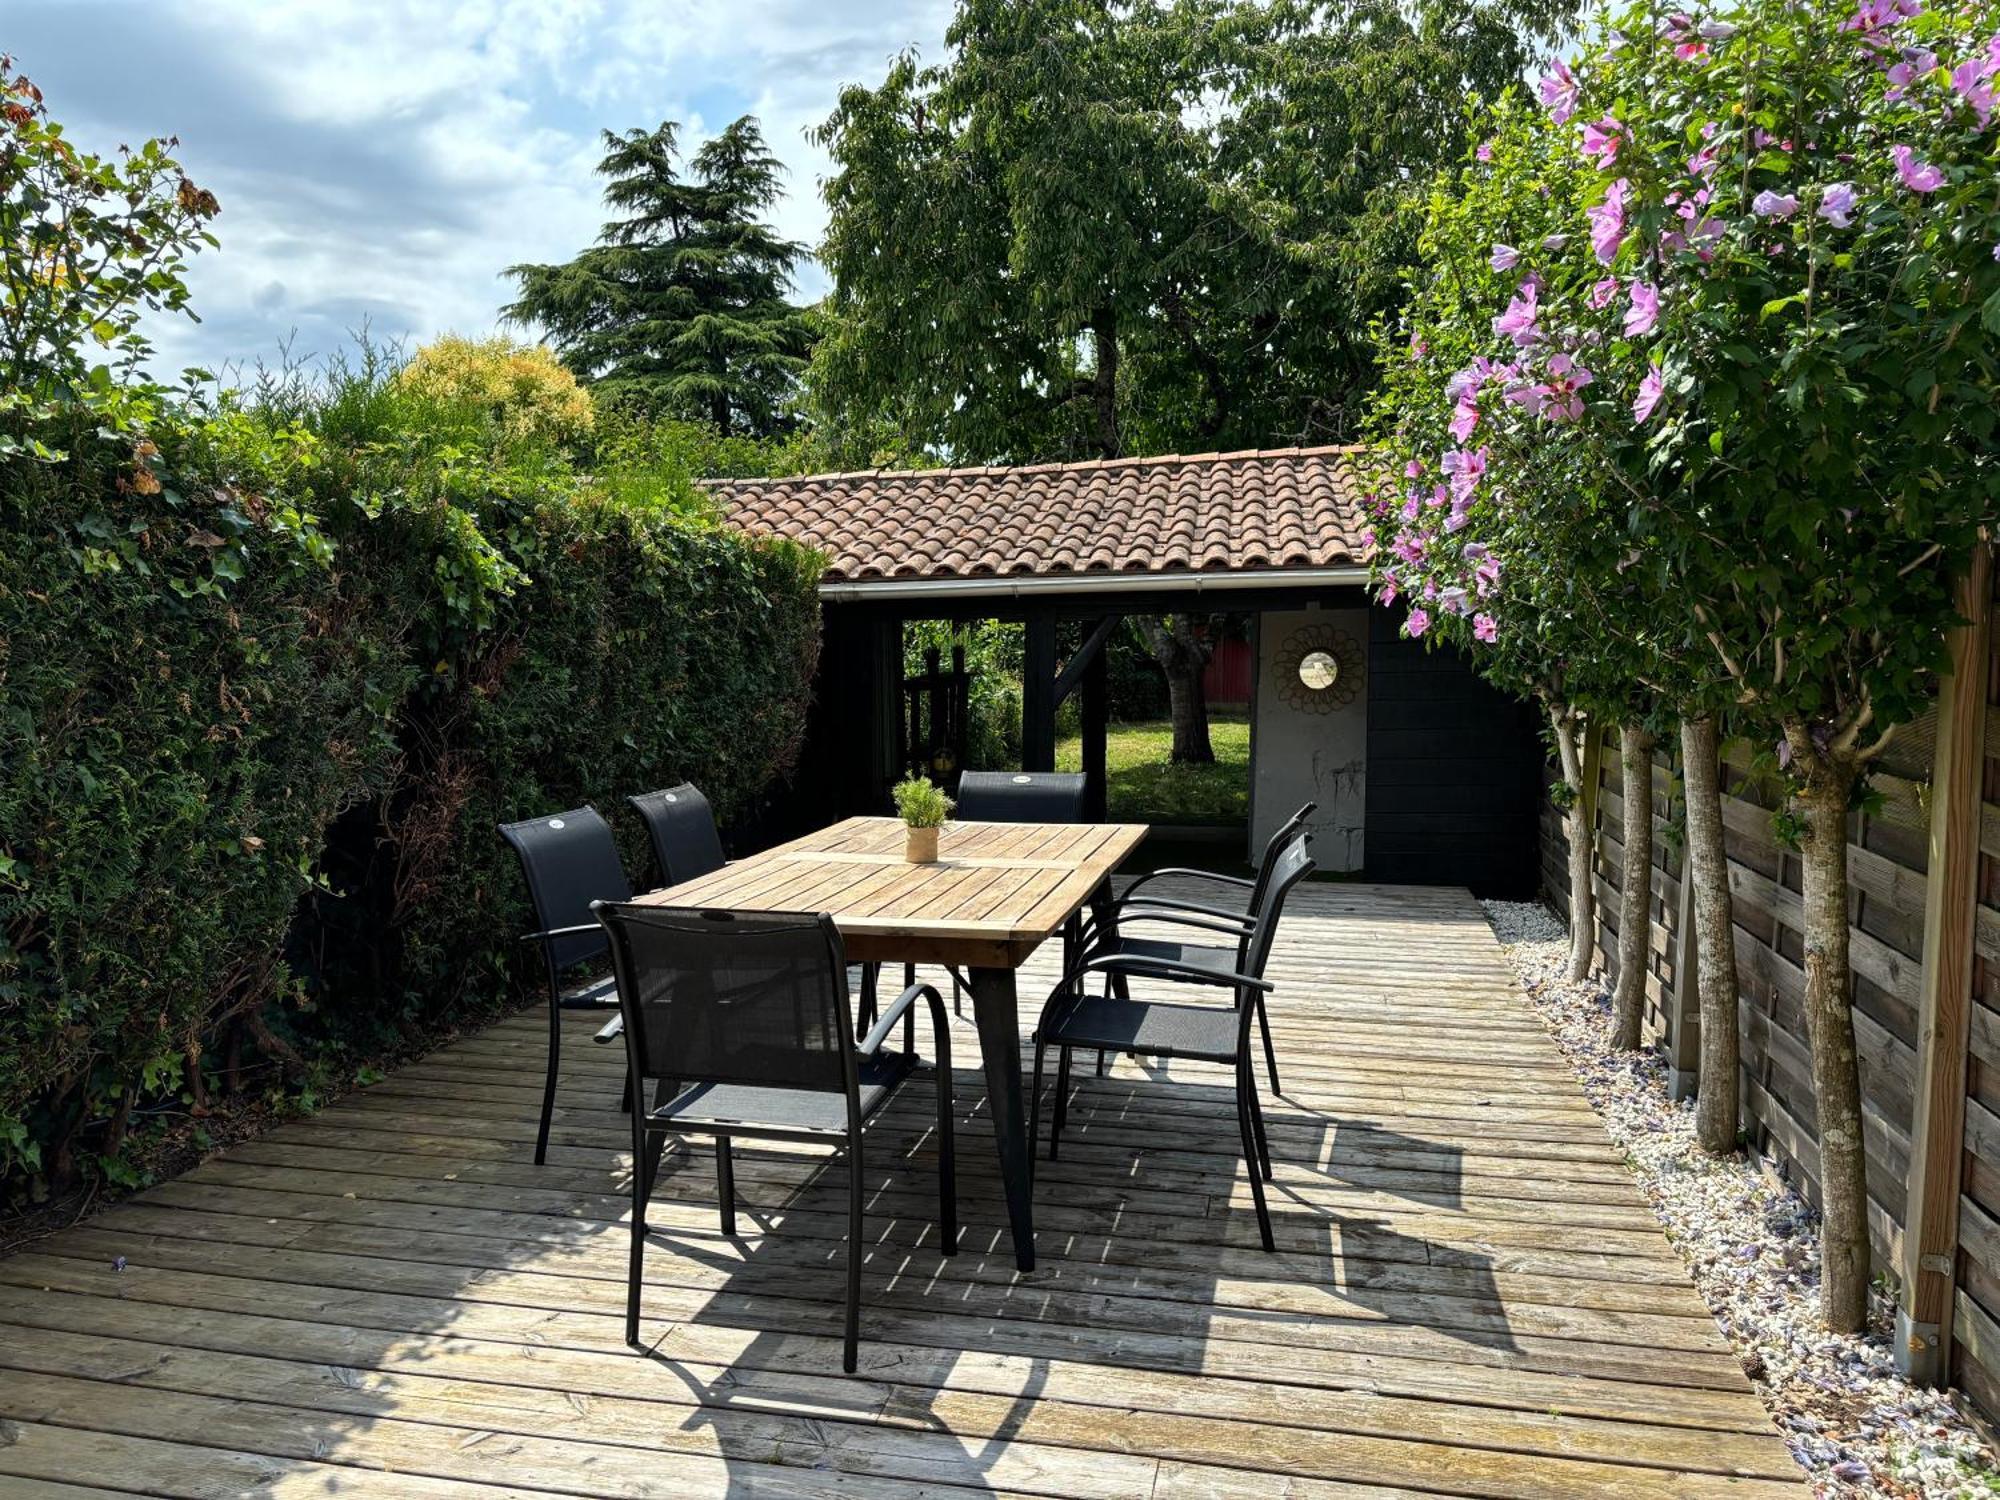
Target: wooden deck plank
{"x":1470,"y":1297}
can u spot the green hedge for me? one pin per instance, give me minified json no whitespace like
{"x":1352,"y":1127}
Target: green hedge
{"x":263,"y":698}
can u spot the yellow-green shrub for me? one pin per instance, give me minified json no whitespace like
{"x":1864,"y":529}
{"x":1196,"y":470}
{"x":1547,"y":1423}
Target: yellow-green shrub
{"x":522,"y":388}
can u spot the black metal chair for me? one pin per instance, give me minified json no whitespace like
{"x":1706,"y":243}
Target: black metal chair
{"x":742,"y":1022}
{"x":1135,"y":894}
{"x":1021,"y":796}
{"x":1000,"y":797}
{"x":1134,"y":906}
{"x":682,"y":827}
{"x":1202,"y":1033}
{"x":570,"y":860}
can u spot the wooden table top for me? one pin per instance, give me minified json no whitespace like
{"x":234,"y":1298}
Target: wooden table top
{"x":995,"y":893}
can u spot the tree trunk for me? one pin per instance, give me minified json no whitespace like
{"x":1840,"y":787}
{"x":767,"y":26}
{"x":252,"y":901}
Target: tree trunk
{"x":1582,"y":907}
{"x":1707,"y":865}
{"x":1830,"y":1025}
{"x":1104,"y":384}
{"x":1182,"y":655}
{"x":1635,"y":900}
{"x":1188,"y":708}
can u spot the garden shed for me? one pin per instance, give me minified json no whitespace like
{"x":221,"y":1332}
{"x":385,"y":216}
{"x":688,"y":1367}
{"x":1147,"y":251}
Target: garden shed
{"x":1423,"y":773}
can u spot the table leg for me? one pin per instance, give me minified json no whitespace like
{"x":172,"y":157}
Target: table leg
{"x":996,"y":1014}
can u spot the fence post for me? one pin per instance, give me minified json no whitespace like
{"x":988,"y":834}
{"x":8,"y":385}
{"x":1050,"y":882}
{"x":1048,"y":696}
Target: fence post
{"x":1684,"y":1037}
{"x":1593,"y":778}
{"x":1929,"y":1266}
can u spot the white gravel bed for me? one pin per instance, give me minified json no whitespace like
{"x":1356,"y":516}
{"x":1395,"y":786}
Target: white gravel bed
{"x":1751,"y":1244}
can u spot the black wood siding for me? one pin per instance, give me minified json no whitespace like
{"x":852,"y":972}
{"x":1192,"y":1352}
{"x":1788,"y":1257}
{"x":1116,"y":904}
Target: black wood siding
{"x":1454,"y":771}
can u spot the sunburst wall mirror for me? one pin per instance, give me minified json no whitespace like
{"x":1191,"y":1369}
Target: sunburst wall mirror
{"x":1319,"y":669}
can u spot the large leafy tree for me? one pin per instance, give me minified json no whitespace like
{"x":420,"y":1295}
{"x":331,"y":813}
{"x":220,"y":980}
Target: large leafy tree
{"x":680,"y":309}
{"x":1105,"y":227}
{"x":1116,"y":226}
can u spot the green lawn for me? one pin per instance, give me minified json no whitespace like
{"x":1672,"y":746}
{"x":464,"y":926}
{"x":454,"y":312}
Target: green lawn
{"x":1146,"y":787}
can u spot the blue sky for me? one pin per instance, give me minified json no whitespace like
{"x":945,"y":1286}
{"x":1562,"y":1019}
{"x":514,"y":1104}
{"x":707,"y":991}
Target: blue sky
{"x":383,"y":160}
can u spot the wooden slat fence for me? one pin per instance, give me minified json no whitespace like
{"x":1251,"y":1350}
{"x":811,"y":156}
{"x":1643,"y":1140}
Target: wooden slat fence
{"x":1889,"y":851}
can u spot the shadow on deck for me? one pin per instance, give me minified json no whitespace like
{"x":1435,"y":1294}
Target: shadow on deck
{"x":1469,"y":1296}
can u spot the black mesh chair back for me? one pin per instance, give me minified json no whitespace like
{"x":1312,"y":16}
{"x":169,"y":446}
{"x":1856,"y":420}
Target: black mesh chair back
{"x":1283,"y":871}
{"x":757,"y":998}
{"x":1288,"y":832}
{"x":682,"y":827}
{"x":570,"y":860}
{"x":1021,"y":797}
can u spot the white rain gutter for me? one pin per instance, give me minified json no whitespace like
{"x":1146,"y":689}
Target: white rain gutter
{"x":1030,"y":586}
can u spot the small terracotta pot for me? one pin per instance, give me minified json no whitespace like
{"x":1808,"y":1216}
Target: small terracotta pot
{"x":920,"y":845}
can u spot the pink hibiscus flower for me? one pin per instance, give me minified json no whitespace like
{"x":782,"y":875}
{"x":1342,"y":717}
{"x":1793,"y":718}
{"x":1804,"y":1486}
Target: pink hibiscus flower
{"x":1607,"y":222}
{"x":1651,"y":389}
{"x":1600,"y":142}
{"x":1464,"y":418}
{"x":1644,"y":311}
{"x":1559,"y":90}
{"x":1836,"y":204}
{"x":1917,"y":176}
{"x":1518,"y":322}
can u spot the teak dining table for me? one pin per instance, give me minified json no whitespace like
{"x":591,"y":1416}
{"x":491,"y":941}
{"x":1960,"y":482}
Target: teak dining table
{"x":996,"y":893}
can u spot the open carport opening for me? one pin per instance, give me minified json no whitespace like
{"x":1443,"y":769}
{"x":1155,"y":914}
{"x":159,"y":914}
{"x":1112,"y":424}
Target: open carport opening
{"x":1051,"y":581}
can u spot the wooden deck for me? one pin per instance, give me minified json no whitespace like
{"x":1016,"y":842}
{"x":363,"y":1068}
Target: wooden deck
{"x":389,"y":1300}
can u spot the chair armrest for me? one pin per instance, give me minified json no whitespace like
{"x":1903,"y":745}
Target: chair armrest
{"x":562,"y":932}
{"x":1141,"y":967}
{"x":610,"y":1031}
{"x":879,"y":1033}
{"x":1210,"y":875}
{"x":1170,"y":903}
{"x":1209,"y":919}
{"x":1146,"y":967}
{"x":1177,"y":917}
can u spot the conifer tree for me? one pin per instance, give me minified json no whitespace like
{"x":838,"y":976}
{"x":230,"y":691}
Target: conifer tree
{"x":680,"y":308}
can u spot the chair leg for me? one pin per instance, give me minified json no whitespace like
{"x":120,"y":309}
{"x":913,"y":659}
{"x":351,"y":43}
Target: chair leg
{"x":1035,"y":1106}
{"x":625,"y":1100}
{"x":850,"y":1351}
{"x":910,"y":1015}
{"x":1100,"y":1062}
{"x":1270,"y":1052}
{"x":1062,"y":1102}
{"x":947,"y":1168}
{"x":1257,"y":1120}
{"x":958,"y":992}
{"x":1251,"y":1156}
{"x":725,"y":1185}
{"x":549,"y":1082}
{"x":636,"y":1268}
{"x":655,"y":1140}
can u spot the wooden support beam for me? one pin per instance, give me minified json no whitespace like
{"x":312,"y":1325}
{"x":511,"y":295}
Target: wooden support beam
{"x":1937,"y":1144}
{"x":1090,"y":651}
{"x":1096,"y":734}
{"x":1038,"y":695}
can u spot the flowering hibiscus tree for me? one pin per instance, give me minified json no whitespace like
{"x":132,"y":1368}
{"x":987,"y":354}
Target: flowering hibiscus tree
{"x":1760,"y":360}
{"x":1504,"y":542}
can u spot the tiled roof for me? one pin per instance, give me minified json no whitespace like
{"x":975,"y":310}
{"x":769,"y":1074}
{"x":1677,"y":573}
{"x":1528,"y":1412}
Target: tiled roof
{"x":1258,"y":510}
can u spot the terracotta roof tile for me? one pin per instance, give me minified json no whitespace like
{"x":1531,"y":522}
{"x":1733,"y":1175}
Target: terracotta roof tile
{"x":1247,"y":511}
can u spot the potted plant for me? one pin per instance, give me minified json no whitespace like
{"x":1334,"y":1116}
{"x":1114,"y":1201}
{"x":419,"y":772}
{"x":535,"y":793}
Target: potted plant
{"x":924,"y":809}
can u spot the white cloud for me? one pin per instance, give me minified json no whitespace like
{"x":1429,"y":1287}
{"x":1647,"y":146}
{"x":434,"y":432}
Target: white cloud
{"x":385,"y":160}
